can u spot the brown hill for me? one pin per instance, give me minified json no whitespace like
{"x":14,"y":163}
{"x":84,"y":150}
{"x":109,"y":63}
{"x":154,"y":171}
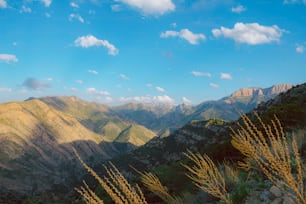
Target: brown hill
{"x":36,"y":141}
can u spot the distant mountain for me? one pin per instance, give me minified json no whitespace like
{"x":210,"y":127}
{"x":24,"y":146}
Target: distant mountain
{"x":102,"y":120}
{"x":166,"y":119}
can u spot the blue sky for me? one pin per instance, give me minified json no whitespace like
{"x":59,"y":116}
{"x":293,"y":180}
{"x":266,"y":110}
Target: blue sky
{"x":161,"y":51}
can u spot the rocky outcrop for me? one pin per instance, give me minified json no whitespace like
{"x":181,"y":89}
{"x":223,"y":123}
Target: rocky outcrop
{"x":248,"y":92}
{"x":273,"y":90}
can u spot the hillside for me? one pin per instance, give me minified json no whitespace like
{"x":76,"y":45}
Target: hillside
{"x":37,"y":137}
{"x":101,"y":119}
{"x":164,"y":155}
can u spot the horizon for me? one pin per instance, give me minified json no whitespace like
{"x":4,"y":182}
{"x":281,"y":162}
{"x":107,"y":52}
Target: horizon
{"x":145,"y":103}
{"x":168,"y":51}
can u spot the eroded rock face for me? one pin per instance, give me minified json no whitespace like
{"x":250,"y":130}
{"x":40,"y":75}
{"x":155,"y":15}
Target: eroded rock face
{"x":256,"y":91}
{"x":248,"y":92}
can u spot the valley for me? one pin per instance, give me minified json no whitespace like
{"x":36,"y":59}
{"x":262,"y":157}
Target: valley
{"x":37,"y":137}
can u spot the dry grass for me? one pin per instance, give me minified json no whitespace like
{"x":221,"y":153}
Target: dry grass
{"x":206,"y":176}
{"x":153,"y":183}
{"x":231,"y":173}
{"x":116,"y":186}
{"x":273,"y":155}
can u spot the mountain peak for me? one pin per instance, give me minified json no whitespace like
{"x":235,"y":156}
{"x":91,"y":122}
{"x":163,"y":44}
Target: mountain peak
{"x":277,"y":89}
{"x":248,"y":92}
{"x":257,"y":91}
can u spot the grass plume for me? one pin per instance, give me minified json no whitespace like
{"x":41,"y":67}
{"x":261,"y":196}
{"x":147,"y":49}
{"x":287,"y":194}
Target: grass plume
{"x":115,"y":184}
{"x":272,"y":153}
{"x":206,"y":176}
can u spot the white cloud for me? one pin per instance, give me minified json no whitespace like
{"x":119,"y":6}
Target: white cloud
{"x":77,"y":17}
{"x":123,"y":76}
{"x":300,"y":48}
{"x":25,"y":9}
{"x":96,"y":92}
{"x":225,"y":76}
{"x":160,"y":89}
{"x":109,"y":99}
{"x":92,"y":71}
{"x":49,"y":79}
{"x":47,"y":2}
{"x":294,"y":1}
{"x":197,"y":73}
{"x":156,"y":7}
{"x":3,"y":4}
{"x":186,"y":100}
{"x":173,"y":25}
{"x":8,"y":58}
{"x":149,"y":85}
{"x":116,"y":7}
{"x":79,"y":81}
{"x":185,"y":34}
{"x":90,"y":41}
{"x":250,"y":33}
{"x":73,"y":89}
{"x":74,"y":5}
{"x":165,"y":99}
{"x":213,"y":85}
{"x":238,"y":9}
{"x":4,"y":89}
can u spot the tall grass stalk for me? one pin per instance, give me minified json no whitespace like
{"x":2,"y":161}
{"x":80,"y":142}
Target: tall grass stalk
{"x":206,"y":176}
{"x":272,"y":153}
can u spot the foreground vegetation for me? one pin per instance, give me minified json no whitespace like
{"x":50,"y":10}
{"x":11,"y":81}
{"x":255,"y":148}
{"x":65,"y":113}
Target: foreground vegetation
{"x":268,"y":153}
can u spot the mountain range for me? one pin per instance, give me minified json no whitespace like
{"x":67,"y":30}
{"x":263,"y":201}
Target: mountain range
{"x":165,"y":119}
{"x":37,"y":135}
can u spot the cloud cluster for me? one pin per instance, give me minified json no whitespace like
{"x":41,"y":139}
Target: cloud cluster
{"x":76,"y":17}
{"x":165,"y":99}
{"x":35,"y":84}
{"x":160,"y":89}
{"x":123,"y":76}
{"x":238,"y":9}
{"x":185,"y":34}
{"x":4,"y":89}
{"x":156,"y":7}
{"x":25,"y":9}
{"x":96,"y":92}
{"x":47,"y":3}
{"x":186,"y":100}
{"x":250,"y":33}
{"x":213,"y":85}
{"x":294,"y":1}
{"x":197,"y":74}
{"x":74,"y":5}
{"x":116,"y":7}
{"x":3,"y":4}
{"x":300,"y":48}
{"x":93,"y":72}
{"x":226,"y":76}
{"x":8,"y":58}
{"x":79,"y":81}
{"x":91,"y":41}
